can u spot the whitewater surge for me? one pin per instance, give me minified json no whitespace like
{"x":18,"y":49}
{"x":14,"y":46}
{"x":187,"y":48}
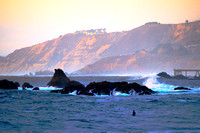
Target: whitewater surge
{"x":152,"y":83}
{"x":162,"y":88}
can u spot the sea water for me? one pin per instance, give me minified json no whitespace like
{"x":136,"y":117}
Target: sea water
{"x":41,"y":111}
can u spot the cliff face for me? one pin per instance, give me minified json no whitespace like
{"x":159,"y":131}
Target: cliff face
{"x":71,"y":52}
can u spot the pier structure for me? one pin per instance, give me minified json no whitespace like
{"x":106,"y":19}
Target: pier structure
{"x":185,"y":71}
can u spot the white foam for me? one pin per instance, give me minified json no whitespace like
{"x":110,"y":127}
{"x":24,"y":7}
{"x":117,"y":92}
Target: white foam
{"x":152,"y":83}
{"x":42,"y":88}
{"x":73,"y":93}
{"x":120,"y":94}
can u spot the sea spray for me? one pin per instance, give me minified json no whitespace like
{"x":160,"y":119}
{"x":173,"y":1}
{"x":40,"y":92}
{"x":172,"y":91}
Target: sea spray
{"x":152,"y":83}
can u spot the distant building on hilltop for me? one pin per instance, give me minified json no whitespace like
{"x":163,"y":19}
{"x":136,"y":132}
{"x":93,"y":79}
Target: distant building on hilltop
{"x":151,"y":23}
{"x":92,"y":31}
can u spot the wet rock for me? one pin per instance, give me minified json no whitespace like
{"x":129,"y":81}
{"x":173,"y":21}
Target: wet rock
{"x":181,"y":88}
{"x":6,"y":84}
{"x":17,"y":84}
{"x":164,"y":75}
{"x":104,"y":88}
{"x":180,"y":77}
{"x":73,"y":86}
{"x":55,"y":91}
{"x":36,"y":88}
{"x":101,"y":88}
{"x":26,"y":85}
{"x":59,"y":79}
{"x":108,"y":88}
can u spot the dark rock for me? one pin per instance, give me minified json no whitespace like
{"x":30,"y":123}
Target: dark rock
{"x":17,"y":84}
{"x":104,"y":88}
{"x":181,"y":88}
{"x":26,"y":85}
{"x":180,"y":77}
{"x":164,"y":75}
{"x":101,"y":88}
{"x":59,"y":79}
{"x":134,"y":88}
{"x":6,"y":84}
{"x":107,"y":88}
{"x":72,"y":86}
{"x":55,"y":91}
{"x":36,"y":88}
{"x":196,"y":78}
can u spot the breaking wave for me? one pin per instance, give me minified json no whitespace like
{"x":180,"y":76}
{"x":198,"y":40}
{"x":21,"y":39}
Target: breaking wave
{"x":163,"y":88}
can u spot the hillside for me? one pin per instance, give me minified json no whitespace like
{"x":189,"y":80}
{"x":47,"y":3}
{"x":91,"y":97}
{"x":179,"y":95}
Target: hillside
{"x":1,"y":57}
{"x":164,"y":57}
{"x":76,"y":50}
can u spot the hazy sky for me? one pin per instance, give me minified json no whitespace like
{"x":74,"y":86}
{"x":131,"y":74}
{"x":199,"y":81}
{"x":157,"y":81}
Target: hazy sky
{"x":27,"y":22}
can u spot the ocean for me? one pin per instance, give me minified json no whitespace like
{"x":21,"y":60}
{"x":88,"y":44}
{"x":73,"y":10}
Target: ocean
{"x":167,"y":111}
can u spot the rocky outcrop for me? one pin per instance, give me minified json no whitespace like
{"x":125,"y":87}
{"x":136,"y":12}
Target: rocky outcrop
{"x":109,"y":88}
{"x":164,"y":75}
{"x":105,"y":88}
{"x":6,"y":84}
{"x":73,"y":87}
{"x":76,"y":87}
{"x":59,"y":79}
{"x":26,"y":85}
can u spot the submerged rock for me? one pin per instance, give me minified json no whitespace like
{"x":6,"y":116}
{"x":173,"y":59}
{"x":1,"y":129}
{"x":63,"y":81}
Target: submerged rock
{"x":59,"y":79}
{"x":26,"y":85}
{"x":181,"y":88}
{"x":6,"y":84}
{"x":36,"y":88}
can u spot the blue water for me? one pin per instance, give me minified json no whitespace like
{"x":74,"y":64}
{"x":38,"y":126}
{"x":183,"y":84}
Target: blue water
{"x":41,"y":111}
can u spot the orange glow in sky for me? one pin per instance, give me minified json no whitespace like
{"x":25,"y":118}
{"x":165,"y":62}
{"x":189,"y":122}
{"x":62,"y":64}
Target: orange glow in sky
{"x":28,"y":22}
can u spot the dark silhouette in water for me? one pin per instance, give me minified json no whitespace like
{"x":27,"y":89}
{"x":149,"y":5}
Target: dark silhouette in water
{"x":181,"y":88}
{"x":6,"y":84}
{"x":36,"y":88}
{"x":164,"y":75}
{"x":108,"y":88}
{"x":105,"y":88}
{"x":59,"y":79}
{"x":134,"y":113}
{"x":26,"y":85}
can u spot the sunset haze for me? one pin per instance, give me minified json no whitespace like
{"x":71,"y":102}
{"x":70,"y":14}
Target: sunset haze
{"x":27,"y":22}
